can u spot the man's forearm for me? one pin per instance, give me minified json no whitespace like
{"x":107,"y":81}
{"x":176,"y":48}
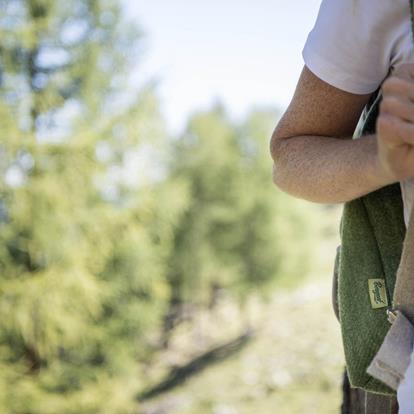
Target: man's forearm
{"x":326,"y":169}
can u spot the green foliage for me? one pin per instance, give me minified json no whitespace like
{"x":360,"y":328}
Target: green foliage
{"x":97,"y":250}
{"x":237,"y":231}
{"x":61,"y":59}
{"x":82,"y":271}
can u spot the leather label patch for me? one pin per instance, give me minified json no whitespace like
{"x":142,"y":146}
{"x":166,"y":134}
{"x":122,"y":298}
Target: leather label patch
{"x":377,"y":293}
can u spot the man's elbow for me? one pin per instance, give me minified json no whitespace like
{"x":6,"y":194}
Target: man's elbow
{"x":277,"y":144}
{"x":274,"y":145}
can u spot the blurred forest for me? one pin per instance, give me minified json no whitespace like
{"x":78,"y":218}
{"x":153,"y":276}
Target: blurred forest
{"x":116,"y":237}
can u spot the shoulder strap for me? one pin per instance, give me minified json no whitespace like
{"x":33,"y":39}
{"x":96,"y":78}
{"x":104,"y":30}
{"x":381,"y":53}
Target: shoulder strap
{"x":404,"y":287}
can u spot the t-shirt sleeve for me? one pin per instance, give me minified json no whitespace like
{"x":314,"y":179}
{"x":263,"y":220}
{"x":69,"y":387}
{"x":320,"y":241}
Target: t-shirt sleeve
{"x":349,"y":46}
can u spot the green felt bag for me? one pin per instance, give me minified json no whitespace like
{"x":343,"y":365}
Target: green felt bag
{"x":372,"y":233}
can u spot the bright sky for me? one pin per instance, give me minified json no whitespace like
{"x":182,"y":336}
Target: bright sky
{"x":244,"y":53}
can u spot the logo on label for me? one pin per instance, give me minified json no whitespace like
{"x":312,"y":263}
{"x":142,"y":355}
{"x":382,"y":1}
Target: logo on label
{"x":377,"y":293}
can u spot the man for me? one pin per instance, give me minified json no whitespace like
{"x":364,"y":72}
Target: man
{"x":356,"y":47}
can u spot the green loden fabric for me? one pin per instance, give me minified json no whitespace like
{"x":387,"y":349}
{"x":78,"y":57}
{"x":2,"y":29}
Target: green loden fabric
{"x":372,"y":233}
{"x":393,"y":358}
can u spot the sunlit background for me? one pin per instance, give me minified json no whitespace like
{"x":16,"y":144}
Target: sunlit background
{"x":237,"y":52}
{"x":148,"y":264}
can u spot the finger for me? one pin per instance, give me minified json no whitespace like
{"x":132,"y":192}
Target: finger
{"x":399,"y":107}
{"x":399,"y":86}
{"x":394,"y":131}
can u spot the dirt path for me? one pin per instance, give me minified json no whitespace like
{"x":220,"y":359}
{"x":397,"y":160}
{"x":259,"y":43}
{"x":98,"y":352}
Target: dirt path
{"x":293,"y":365}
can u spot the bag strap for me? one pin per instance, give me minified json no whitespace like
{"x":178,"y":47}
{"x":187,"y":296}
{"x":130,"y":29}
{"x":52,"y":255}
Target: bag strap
{"x":404,"y":287}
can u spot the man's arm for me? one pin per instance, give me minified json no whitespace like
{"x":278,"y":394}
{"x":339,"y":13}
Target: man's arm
{"x":314,"y":155}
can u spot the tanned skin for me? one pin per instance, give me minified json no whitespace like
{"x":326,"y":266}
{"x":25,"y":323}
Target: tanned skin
{"x":314,"y":155}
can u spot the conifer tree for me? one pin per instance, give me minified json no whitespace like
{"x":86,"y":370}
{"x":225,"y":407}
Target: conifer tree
{"x":81,"y":249}
{"x":238,"y":232}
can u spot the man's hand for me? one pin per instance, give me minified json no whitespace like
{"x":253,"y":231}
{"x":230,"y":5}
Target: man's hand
{"x":395,"y":126}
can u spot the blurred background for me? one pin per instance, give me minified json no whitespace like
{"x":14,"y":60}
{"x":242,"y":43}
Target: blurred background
{"x":147,"y":263}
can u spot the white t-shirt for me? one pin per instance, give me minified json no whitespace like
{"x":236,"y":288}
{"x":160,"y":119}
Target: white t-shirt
{"x":354,"y":46}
